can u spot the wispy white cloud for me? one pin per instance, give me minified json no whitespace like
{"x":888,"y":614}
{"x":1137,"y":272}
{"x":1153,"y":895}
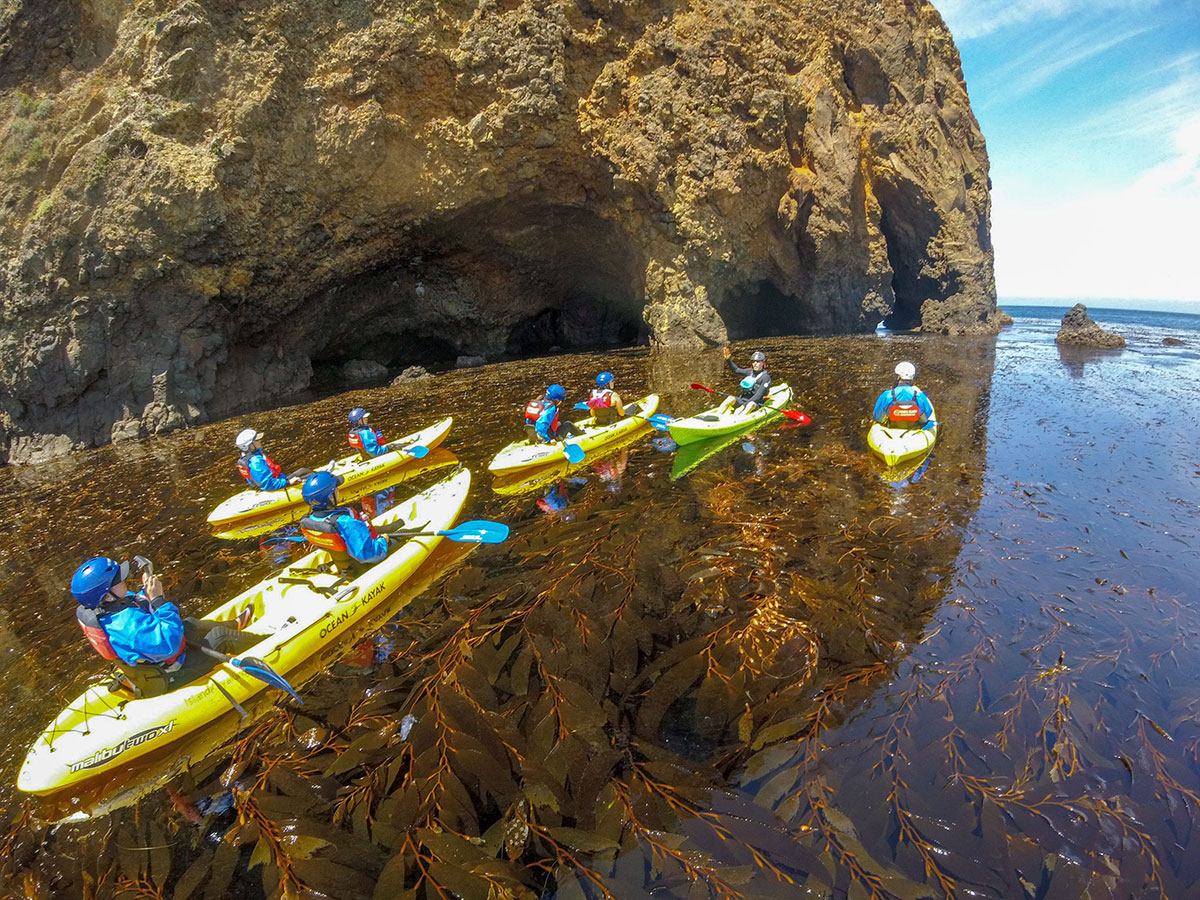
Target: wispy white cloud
{"x":1040,"y":63}
{"x":1151,"y":107}
{"x":970,"y":19}
{"x":1133,"y":240}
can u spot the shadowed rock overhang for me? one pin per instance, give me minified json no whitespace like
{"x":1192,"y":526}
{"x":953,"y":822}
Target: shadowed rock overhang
{"x":205,"y":202}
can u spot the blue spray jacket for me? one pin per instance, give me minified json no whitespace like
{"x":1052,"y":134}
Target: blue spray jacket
{"x":359,"y":542}
{"x":544,"y":423}
{"x":370,"y":440}
{"x":904,"y":393}
{"x":262,"y":475}
{"x":138,"y":634}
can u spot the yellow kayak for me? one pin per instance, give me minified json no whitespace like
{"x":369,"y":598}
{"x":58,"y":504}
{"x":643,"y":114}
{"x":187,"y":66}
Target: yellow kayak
{"x":895,"y":445}
{"x":297,"y":614}
{"x":253,"y":512}
{"x":525,"y":454}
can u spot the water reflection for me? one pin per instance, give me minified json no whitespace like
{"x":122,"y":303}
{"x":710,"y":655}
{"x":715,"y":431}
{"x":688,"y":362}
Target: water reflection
{"x":1074,"y":359}
{"x":778,"y":673}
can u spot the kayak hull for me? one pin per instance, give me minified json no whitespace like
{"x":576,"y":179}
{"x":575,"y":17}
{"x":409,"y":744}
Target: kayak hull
{"x":253,"y":512}
{"x":711,"y":423}
{"x":299,"y":615}
{"x":895,"y":445}
{"x":521,"y":455}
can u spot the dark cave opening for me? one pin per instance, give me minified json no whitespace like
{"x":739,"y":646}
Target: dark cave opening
{"x":505,"y":280}
{"x":909,"y":223}
{"x":761,"y":310}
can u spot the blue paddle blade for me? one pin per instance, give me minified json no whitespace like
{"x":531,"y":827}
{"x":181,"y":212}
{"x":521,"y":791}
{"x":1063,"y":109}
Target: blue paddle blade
{"x":478,"y":531}
{"x":417,"y":451}
{"x":254,"y":666}
{"x":580,"y":405}
{"x":661,"y":421}
{"x":573,"y":452}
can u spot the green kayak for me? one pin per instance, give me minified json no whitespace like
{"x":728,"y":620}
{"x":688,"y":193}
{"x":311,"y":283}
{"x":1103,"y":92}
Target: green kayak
{"x":711,"y":423}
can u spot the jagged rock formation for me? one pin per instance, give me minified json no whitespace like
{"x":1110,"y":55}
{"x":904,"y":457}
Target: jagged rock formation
{"x":1078,"y":330}
{"x":204,"y":200}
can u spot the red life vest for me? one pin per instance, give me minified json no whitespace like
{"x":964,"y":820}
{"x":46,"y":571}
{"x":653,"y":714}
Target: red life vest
{"x":356,"y":441}
{"x":904,"y":413}
{"x":600,"y":398}
{"x":243,"y":467}
{"x":89,"y":621}
{"x":534,"y":410}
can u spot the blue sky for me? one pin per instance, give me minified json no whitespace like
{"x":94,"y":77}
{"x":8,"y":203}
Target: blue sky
{"x":1091,"y":111}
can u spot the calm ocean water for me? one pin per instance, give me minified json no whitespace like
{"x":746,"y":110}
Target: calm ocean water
{"x":784,"y":671}
{"x":1111,"y":319}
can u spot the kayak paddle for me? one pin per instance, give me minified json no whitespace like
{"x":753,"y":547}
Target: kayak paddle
{"x":659,"y":421}
{"x":477,"y":531}
{"x":416,"y":451}
{"x":573,"y":452}
{"x":255,"y":668}
{"x":794,"y":414}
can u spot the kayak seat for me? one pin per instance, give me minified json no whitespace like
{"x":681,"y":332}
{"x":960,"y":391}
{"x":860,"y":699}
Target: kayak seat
{"x":709,"y":418}
{"x":531,"y":435}
{"x":604,"y":415}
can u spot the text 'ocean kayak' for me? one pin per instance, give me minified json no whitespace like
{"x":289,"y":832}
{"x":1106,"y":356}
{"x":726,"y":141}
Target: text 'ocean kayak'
{"x":296,"y":614}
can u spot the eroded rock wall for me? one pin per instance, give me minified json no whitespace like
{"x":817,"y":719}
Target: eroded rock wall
{"x":205,"y":199}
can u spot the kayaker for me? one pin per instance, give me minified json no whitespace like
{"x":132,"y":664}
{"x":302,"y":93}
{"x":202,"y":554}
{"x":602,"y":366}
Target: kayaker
{"x":905,"y":405}
{"x":259,"y":470}
{"x":604,"y":401}
{"x":755,"y":383}
{"x":369,"y":444}
{"x":362,"y":437}
{"x":141,"y":630}
{"x":542,"y":423}
{"x":350,"y":541}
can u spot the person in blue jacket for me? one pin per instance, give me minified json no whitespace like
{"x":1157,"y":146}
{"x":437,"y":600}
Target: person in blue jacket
{"x":141,"y":631}
{"x":755,"y":383}
{"x":369,"y":443}
{"x":259,"y":470}
{"x":350,"y":541}
{"x":542,"y":420}
{"x":362,"y":437}
{"x":905,"y":405}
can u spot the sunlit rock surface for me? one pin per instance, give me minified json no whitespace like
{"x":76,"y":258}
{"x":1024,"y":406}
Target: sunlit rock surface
{"x":1078,"y":330}
{"x":203,"y":202}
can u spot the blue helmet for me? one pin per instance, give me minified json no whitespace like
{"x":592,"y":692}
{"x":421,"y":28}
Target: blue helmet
{"x":556,"y":392}
{"x":357,"y":415}
{"x":604,"y":379}
{"x":318,"y":489}
{"x":91,"y":581}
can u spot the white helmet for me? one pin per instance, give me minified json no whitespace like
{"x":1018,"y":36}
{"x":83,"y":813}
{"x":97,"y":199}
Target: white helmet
{"x":906,"y":371}
{"x":246,"y":437}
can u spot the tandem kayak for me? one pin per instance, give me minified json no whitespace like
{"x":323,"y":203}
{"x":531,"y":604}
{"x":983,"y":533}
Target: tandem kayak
{"x":254,"y":512}
{"x":296,"y":615}
{"x":895,"y":445}
{"x":526,"y":454}
{"x":711,"y":423}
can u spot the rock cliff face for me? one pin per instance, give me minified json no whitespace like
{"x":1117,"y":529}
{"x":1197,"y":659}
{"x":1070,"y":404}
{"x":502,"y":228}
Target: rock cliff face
{"x":204,"y":200}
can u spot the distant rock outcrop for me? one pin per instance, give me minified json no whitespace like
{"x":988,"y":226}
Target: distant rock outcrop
{"x":1078,"y":330}
{"x":202,"y":200}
